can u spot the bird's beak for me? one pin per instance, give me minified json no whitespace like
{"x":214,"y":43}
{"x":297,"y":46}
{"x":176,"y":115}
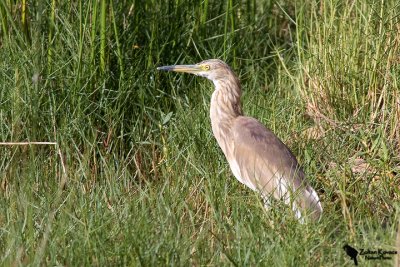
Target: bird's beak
{"x":182,"y":68}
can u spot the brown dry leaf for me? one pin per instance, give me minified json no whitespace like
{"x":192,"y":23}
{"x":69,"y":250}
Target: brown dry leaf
{"x":108,"y":202}
{"x":332,"y":165}
{"x":315,"y":132}
{"x":359,"y":165}
{"x":4,"y":184}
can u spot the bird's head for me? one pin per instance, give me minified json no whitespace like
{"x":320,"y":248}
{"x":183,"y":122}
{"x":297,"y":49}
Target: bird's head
{"x":212,"y":69}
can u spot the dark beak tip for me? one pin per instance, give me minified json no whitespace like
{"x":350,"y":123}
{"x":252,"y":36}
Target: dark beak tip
{"x":164,"y":68}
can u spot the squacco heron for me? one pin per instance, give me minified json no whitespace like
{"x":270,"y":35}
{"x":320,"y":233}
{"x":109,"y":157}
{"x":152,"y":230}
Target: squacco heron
{"x":256,"y":156}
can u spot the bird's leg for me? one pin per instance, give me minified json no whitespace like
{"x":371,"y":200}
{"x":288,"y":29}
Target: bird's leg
{"x":289,"y":201}
{"x":297,"y":213}
{"x":288,"y":196}
{"x":267,"y":202}
{"x":267,"y":205}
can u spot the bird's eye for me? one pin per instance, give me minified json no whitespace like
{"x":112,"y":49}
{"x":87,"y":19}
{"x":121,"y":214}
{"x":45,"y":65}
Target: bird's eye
{"x":206,"y":67}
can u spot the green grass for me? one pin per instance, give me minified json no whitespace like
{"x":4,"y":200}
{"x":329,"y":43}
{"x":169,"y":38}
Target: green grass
{"x":136,"y":177}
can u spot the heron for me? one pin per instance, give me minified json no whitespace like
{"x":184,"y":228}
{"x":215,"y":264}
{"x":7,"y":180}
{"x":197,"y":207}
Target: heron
{"x":256,"y":156}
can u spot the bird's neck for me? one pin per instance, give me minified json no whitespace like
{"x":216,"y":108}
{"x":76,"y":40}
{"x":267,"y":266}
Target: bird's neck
{"x":225,"y":101}
{"x":225,"y":106}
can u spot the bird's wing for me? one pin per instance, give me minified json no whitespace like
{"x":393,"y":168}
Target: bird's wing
{"x":267,"y":163}
{"x":259,"y":152}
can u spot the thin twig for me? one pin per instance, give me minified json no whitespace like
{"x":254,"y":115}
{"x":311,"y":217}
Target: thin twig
{"x":26,"y":143}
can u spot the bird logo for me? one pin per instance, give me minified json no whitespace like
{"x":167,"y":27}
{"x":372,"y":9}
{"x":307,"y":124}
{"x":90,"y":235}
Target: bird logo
{"x":351,"y":252}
